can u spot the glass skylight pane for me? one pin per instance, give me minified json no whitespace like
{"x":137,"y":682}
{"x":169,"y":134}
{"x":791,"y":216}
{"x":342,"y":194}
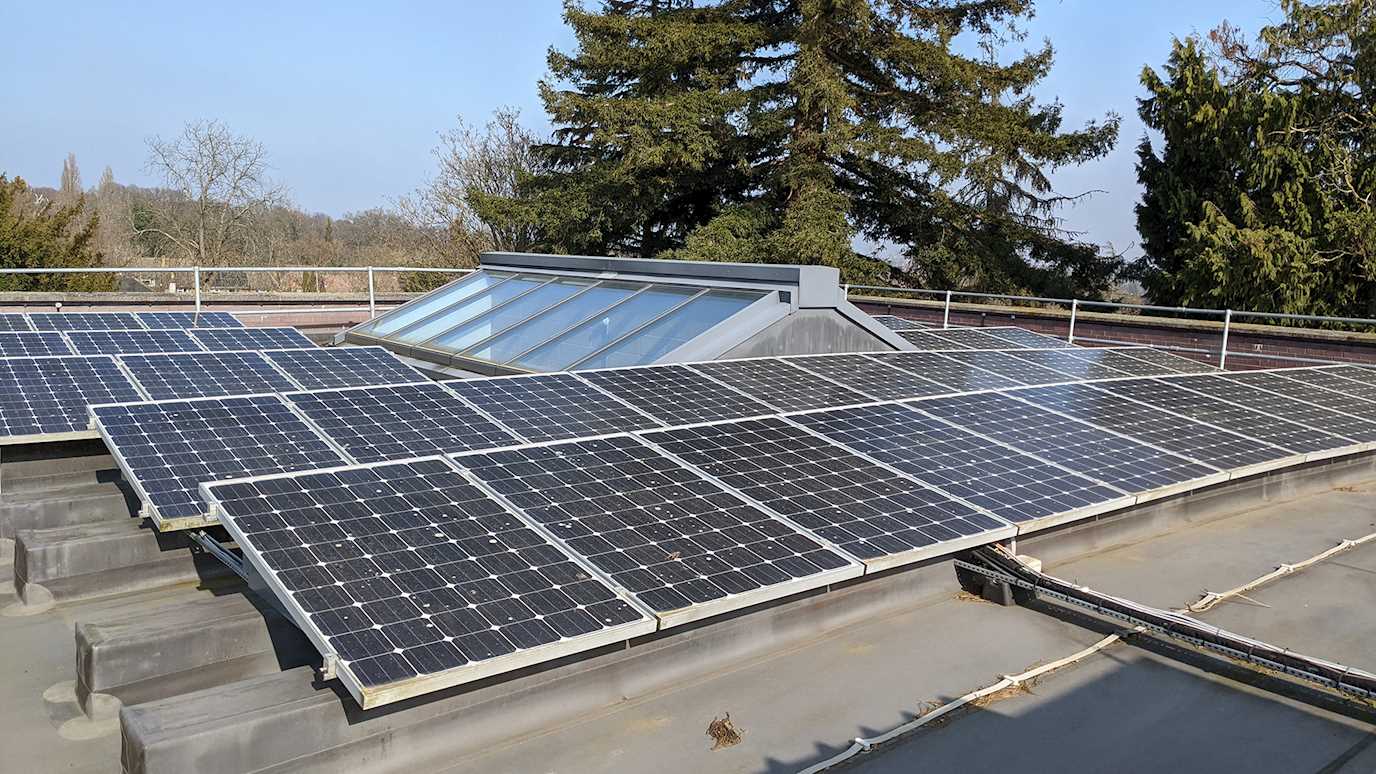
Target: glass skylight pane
{"x":453,"y":294}
{"x":677,"y":328}
{"x":605,"y":328}
{"x":548,"y":325}
{"x":470,"y":308}
{"x":522,"y":308}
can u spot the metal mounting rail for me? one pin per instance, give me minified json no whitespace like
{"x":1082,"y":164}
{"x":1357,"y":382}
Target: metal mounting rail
{"x":1001,"y":565}
{"x":217,"y":550}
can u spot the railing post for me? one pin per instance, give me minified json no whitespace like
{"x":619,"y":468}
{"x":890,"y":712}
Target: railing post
{"x":372,"y":295}
{"x":946,"y":315}
{"x":1223,"y":350}
{"x":196,"y":281}
{"x":1074,"y":310}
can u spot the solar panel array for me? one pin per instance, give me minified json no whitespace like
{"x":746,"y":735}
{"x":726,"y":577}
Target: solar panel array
{"x":205,"y":374}
{"x":782,"y":384}
{"x":924,"y":340}
{"x":84,"y":321}
{"x":44,"y":396}
{"x":131,"y":342}
{"x":15,"y":322}
{"x":551,"y":406}
{"x":1005,"y":364}
{"x":1026,"y":338}
{"x":416,"y":579}
{"x":32,"y":344}
{"x":675,"y":395}
{"x":972,"y":338}
{"x":954,"y":375}
{"x":869,"y":376}
{"x":169,"y":320}
{"x":1276,"y":405}
{"x":257,"y":339}
{"x":896,"y":323}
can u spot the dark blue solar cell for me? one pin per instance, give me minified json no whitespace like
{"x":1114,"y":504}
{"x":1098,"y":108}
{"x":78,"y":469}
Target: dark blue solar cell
{"x":205,"y":374}
{"x":85,"y":321}
{"x":44,"y":395}
{"x":256,"y":339}
{"x":131,"y":342}
{"x":32,"y":344}
{"x":168,"y":320}
{"x":324,"y":368}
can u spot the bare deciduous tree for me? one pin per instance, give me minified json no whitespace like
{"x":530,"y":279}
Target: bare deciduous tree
{"x":475,"y":163}
{"x":216,"y":191}
{"x":69,"y":190}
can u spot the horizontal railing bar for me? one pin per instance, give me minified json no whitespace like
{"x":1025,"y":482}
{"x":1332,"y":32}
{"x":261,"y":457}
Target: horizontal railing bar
{"x":1313,"y":317}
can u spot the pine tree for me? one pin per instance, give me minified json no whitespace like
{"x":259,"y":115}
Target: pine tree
{"x":793,"y":130}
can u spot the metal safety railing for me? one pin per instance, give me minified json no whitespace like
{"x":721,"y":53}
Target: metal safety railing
{"x":197,"y":271}
{"x":1074,"y":305}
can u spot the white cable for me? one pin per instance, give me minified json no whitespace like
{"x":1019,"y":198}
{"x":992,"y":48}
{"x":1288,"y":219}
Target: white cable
{"x":1211,"y":598}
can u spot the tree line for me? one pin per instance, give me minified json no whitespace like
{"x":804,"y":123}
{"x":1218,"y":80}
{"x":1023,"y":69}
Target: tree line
{"x":898,"y":141}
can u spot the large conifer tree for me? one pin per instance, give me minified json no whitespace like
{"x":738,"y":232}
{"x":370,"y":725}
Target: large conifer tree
{"x":791,"y":130}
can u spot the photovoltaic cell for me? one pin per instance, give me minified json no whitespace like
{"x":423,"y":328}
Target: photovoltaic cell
{"x":1077,"y":365}
{"x":863,"y":508}
{"x":397,"y":422}
{"x":1176,"y":363}
{"x":1119,"y":361}
{"x":32,"y":344}
{"x":895,"y":323}
{"x":1113,"y":459}
{"x":1310,"y":393}
{"x":926,"y":342}
{"x":781,"y":384}
{"x":1356,"y":373}
{"x":14,"y":322}
{"x":1182,"y":435}
{"x":975,"y":339}
{"x":1009,"y":367}
{"x":1027,"y":338}
{"x":1167,"y":395}
{"x":952,"y":374}
{"x":256,"y":339}
{"x":550,"y":407}
{"x":415,"y":578}
{"x":170,"y":320}
{"x":205,"y":374}
{"x":1015,"y":486}
{"x":131,"y":342}
{"x":168,"y":449}
{"x":1331,"y":379}
{"x":84,"y":321}
{"x":676,"y":395}
{"x":869,"y":376}
{"x":48,"y":395}
{"x":324,"y":368}
{"x":1337,"y":423}
{"x":679,"y":543}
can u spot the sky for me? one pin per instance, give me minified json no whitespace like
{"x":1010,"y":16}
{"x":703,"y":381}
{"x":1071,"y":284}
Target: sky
{"x":349,"y":97}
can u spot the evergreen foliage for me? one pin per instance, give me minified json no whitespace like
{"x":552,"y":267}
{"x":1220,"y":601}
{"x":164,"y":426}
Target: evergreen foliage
{"x":40,"y":233}
{"x":793,"y":130}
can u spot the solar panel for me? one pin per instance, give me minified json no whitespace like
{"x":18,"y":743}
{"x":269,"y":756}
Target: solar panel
{"x":550,"y":406}
{"x":31,"y":344}
{"x":1077,"y":365}
{"x":326,"y":368}
{"x":42,"y":396}
{"x":1113,"y":459}
{"x":205,"y":374}
{"x":170,"y":320}
{"x":1168,"y":395}
{"x":952,"y":374}
{"x":1009,"y":367}
{"x":1015,"y":486}
{"x":925,"y":341}
{"x":131,"y":342}
{"x":1336,"y":401}
{"x":1337,"y":423}
{"x":256,"y":339}
{"x":1027,"y":338}
{"x":1176,"y":363}
{"x":1355,"y":373}
{"x":869,"y":376}
{"x":84,"y":321}
{"x":415,"y":579}
{"x":871,"y":512}
{"x":680,"y":544}
{"x":781,"y":384}
{"x":895,"y":323}
{"x":675,"y":394}
{"x":1330,"y":379}
{"x":1119,"y":361}
{"x":975,"y":339}
{"x":1208,"y":444}
{"x":14,"y":322}
{"x":168,"y":449}
{"x":395,"y":422}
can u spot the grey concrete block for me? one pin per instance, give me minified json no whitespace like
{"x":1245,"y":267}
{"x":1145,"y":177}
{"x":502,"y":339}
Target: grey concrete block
{"x":145,"y":654}
{"x":62,"y":508}
{"x":59,"y":473}
{"x":106,"y":558}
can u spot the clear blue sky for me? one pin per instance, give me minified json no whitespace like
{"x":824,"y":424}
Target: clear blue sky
{"x":348,"y":96}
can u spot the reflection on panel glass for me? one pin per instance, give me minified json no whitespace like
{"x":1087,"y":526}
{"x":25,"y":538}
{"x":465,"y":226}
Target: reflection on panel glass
{"x":604,"y":328}
{"x":469,"y":308}
{"x":552,"y":322}
{"x":674,"y":329}
{"x":486,"y":325}
{"x":423,"y":308}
